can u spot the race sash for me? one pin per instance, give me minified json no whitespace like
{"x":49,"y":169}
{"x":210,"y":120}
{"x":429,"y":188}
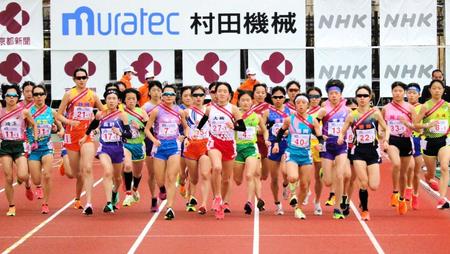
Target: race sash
{"x":279,"y":112}
{"x":260,"y":107}
{"x":197,"y":110}
{"x":136,"y":115}
{"x":290,"y":106}
{"x":434,"y":108}
{"x":76,"y":99}
{"x":170,"y":111}
{"x":362,"y":118}
{"x":303,"y":120}
{"x":313,"y":110}
{"x":39,"y":112}
{"x":223,"y":110}
{"x":110,"y":115}
{"x":334,"y":111}
{"x":8,"y":115}
{"x":402,"y":109}
{"x":247,"y":114}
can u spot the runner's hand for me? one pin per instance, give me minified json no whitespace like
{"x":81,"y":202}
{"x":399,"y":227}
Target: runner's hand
{"x":275,"y":148}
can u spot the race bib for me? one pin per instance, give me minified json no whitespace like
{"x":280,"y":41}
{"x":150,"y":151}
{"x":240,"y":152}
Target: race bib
{"x":440,"y":128}
{"x":67,"y":139}
{"x":219,"y":128}
{"x":199,"y":134}
{"x":396,"y":127}
{"x":334,"y":128}
{"x":249,"y":134}
{"x":82,"y":113}
{"x":107,"y":135}
{"x":365,"y":136}
{"x":44,"y":130}
{"x":11,"y":132}
{"x":300,"y":140}
{"x":275,"y":128}
{"x":135,"y":133}
{"x":167,"y":129}
{"x":350,"y":136}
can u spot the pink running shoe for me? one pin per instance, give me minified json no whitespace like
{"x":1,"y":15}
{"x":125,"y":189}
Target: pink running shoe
{"x":39,"y":192}
{"x":45,"y":209}
{"x":415,"y":202}
{"x":217,"y":203}
{"x":434,"y":185}
{"x":29,"y":194}
{"x":219,"y":213}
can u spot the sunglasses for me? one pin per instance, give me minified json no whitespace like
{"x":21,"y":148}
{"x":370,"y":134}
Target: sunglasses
{"x":363,"y":95}
{"x":11,"y":95}
{"x":38,"y":94}
{"x":212,"y":92}
{"x":293,"y":90}
{"x":353,"y":108}
{"x":169,"y":94}
{"x":314,"y":96}
{"x":81,"y":78}
{"x":278,"y":97}
{"x":198,"y":94}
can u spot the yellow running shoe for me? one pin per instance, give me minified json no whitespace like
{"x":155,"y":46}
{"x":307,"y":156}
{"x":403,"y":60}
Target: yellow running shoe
{"x":331,"y":201}
{"x":11,"y":211}
{"x":394,"y":199}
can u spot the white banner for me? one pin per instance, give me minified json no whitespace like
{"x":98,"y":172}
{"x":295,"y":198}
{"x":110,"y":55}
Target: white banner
{"x":177,"y":24}
{"x":20,"y":66}
{"x":342,"y":23}
{"x":202,"y":67}
{"x":353,"y":66}
{"x":21,"y":24}
{"x":64,"y":64}
{"x":413,"y":64}
{"x":447,"y":24}
{"x":408,"y":22}
{"x":159,"y":62}
{"x":277,"y":67}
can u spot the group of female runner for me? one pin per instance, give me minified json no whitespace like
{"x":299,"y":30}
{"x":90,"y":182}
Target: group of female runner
{"x":336,"y":143}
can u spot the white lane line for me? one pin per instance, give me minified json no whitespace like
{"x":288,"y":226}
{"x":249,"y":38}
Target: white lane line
{"x":40,"y":226}
{"x":256,"y":229}
{"x":2,"y":190}
{"x":367,"y":230}
{"x":434,"y":193}
{"x":146,"y":228}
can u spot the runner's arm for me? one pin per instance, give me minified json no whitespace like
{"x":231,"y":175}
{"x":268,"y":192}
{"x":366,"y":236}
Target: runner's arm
{"x":149,"y":125}
{"x":27,"y":116}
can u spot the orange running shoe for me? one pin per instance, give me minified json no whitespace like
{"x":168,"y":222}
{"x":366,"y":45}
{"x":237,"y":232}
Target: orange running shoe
{"x":394,"y":199}
{"x":365,"y":216}
{"x":77,"y":204}
{"x":45,"y":209}
{"x":402,"y":207}
{"x":415,"y":202}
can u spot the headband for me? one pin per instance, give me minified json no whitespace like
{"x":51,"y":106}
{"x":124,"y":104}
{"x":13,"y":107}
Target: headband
{"x":334,"y":88}
{"x":301,"y":97}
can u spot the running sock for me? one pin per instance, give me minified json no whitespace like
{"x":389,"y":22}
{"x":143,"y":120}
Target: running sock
{"x":154,"y":201}
{"x":12,"y":205}
{"x":401,"y":198}
{"x":128,"y":176}
{"x":344,"y":202}
{"x":395,"y":192}
{"x":114,"y":195}
{"x":162,"y":189}
{"x":108,"y":203}
{"x":285,"y":185}
{"x":364,"y":199}
{"x":136,"y":181}
{"x":277,"y":203}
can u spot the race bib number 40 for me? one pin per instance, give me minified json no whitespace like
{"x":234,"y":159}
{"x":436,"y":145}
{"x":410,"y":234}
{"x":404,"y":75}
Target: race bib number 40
{"x":300,"y":140}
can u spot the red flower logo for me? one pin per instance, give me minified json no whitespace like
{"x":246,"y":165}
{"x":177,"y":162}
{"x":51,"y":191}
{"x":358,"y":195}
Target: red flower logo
{"x":211,"y":67}
{"x":14,"y":68}
{"x":80,"y":60}
{"x":277,"y":67}
{"x":146,"y":63}
{"x":8,"y":18}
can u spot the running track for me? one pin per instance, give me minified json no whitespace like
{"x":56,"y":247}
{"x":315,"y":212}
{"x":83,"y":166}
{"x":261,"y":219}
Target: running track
{"x":135,"y":229}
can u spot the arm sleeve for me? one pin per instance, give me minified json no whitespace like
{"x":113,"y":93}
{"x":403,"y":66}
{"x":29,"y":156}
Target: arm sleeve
{"x":202,"y":122}
{"x":240,"y":125}
{"x":126,"y":131}
{"x":280,"y":134}
{"x":94,"y":124}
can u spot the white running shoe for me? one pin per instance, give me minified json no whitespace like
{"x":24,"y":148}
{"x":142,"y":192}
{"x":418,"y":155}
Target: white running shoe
{"x":317,"y":209}
{"x":299,"y":214}
{"x":306,"y":200}
{"x":279,"y":209}
{"x":128,"y":201}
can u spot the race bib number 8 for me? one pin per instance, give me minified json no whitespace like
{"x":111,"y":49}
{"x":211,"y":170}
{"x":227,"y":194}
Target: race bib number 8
{"x":441,"y":127}
{"x":300,"y":140}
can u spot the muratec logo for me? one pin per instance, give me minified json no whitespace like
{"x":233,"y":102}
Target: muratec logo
{"x":408,"y":71}
{"x":343,"y":72}
{"x":86,"y":22}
